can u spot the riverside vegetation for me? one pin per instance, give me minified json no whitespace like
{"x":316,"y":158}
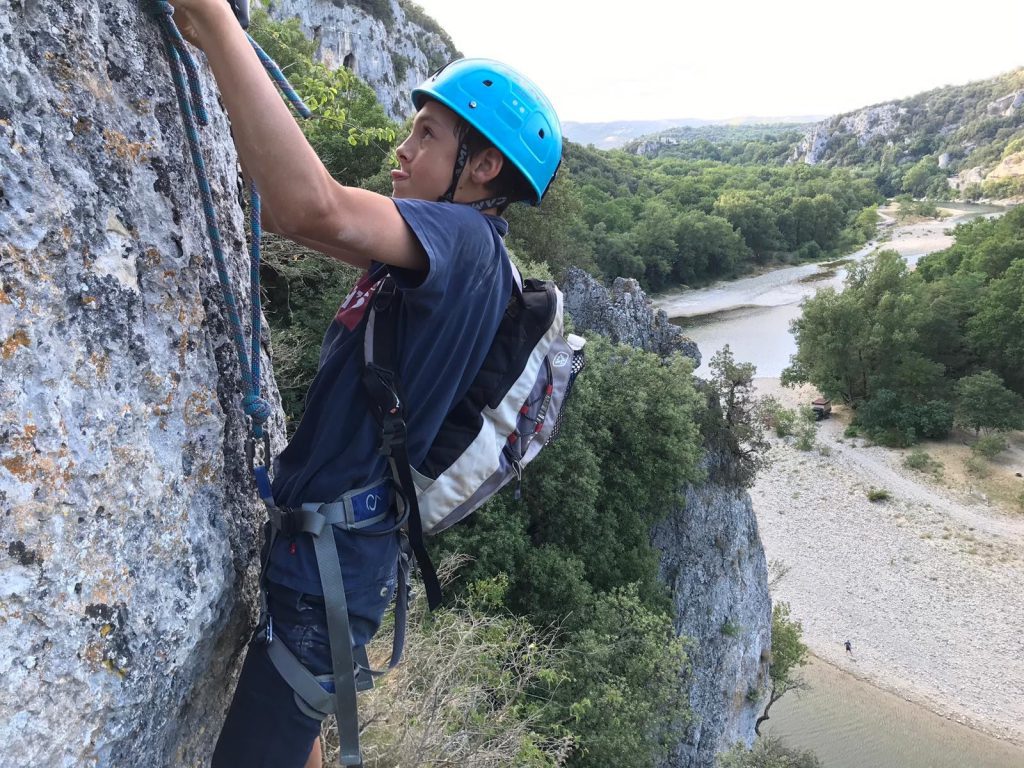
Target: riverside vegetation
{"x":559,"y":632}
{"x":916,"y":352}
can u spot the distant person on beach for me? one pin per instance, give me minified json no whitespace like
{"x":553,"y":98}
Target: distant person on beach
{"x":849,"y":647}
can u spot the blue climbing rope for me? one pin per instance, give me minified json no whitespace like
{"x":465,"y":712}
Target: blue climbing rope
{"x":190,"y":100}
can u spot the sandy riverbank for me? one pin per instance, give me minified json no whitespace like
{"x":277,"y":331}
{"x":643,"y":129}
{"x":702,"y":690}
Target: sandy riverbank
{"x":928,"y":586}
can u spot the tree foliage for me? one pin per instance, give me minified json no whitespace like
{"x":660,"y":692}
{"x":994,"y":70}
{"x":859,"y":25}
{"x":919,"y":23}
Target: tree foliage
{"x":349,"y":129}
{"x":983,"y":402}
{"x":768,"y":753}
{"x":789,"y":653}
{"x":577,"y":553}
{"x":741,"y":434}
{"x":895,"y":342}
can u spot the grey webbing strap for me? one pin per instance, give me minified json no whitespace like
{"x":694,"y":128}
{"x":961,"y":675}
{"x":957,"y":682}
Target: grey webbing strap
{"x":301,"y":680}
{"x":340,"y":637}
{"x":313,"y":518}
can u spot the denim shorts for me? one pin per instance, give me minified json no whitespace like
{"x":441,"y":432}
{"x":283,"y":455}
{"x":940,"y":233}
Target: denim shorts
{"x":265,"y":727}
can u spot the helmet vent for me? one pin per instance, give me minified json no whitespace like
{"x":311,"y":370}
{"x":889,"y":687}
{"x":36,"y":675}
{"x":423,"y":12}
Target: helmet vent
{"x":541,"y":133}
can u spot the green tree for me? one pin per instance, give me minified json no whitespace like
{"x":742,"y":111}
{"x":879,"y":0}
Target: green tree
{"x":920,"y":176}
{"x":866,"y":221}
{"x":752,"y":216}
{"x":349,"y":129}
{"x":655,"y":242}
{"x":742,"y":433}
{"x":707,"y":247}
{"x":789,"y":653}
{"x":984,"y":402}
{"x":550,"y":233}
{"x":996,"y":330}
{"x":626,"y":683}
{"x":577,"y":552}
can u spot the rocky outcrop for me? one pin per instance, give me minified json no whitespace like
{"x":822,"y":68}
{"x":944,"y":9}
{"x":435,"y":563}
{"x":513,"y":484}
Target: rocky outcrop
{"x":390,"y":51}
{"x":714,"y":564}
{"x":1007,"y":105}
{"x":866,"y":125}
{"x":624,"y":314}
{"x":129,"y":525}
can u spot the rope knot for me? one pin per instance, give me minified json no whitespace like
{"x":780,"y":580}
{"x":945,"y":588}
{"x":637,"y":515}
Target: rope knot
{"x":158,"y":8}
{"x":258,"y":408}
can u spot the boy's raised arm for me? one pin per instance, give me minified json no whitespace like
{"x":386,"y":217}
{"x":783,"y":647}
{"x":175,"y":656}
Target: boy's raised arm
{"x":307,"y":203}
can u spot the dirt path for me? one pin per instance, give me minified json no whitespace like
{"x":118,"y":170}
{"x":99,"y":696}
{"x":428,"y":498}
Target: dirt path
{"x":928,"y":586}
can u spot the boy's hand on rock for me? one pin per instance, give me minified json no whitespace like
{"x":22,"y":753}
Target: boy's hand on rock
{"x":195,"y":18}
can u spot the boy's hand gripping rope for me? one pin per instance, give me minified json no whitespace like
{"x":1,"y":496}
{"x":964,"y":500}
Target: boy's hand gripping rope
{"x":190,"y":101}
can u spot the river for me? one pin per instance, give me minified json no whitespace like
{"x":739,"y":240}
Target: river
{"x":752,"y":314}
{"x":847,"y":722}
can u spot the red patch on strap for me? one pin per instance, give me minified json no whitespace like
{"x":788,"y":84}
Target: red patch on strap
{"x":352,"y":309}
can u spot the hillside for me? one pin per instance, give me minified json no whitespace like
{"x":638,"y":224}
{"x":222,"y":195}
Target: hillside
{"x":967,"y":138}
{"x":624,"y":133}
{"x":973,"y":132}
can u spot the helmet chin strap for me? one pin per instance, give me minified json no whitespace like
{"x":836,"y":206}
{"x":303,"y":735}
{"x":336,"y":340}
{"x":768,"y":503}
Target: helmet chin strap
{"x":461,"y":159}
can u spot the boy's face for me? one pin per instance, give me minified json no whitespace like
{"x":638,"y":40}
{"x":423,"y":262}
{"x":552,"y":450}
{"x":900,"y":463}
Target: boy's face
{"x":427,"y":156}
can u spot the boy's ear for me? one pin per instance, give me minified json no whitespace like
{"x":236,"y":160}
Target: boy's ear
{"x":486,"y":165}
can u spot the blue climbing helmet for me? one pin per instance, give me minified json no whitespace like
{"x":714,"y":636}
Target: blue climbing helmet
{"x":508,"y":109}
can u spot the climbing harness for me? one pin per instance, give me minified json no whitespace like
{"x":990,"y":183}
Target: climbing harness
{"x":317,"y":696}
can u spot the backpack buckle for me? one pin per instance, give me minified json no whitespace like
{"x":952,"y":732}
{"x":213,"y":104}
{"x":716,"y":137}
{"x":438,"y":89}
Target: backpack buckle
{"x":393,"y":432}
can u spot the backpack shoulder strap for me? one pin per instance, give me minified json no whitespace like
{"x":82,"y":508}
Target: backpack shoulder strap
{"x":380,"y":380}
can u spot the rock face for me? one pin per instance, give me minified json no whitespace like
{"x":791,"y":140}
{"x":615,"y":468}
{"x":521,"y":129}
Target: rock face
{"x":391,"y":51}
{"x":867,"y":124}
{"x":623,"y":314}
{"x":711,"y":554}
{"x":714,"y":565}
{"x":129,"y":525}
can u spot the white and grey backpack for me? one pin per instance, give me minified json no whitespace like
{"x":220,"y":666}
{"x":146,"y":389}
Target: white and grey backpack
{"x":513,"y":409}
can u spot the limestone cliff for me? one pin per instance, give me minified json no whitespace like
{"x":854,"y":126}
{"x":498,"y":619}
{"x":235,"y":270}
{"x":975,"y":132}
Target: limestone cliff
{"x":389,"y":44}
{"x":963,"y":129}
{"x":128,"y":523}
{"x":711,"y":553}
{"x":623,"y":314}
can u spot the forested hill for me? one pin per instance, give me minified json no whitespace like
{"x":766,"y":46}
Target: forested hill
{"x":620,"y":133}
{"x":938,"y":133}
{"x":966,"y":139}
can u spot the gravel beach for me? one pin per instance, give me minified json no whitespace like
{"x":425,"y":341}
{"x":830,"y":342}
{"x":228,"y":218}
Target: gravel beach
{"x":927,"y":586}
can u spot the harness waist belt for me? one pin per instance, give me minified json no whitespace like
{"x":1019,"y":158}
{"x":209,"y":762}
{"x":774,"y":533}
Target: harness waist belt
{"x":356,"y":509}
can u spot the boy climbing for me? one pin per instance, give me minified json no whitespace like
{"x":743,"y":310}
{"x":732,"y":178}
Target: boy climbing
{"x":483,"y":137}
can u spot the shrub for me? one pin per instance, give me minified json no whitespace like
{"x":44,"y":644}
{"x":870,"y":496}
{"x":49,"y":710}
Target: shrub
{"x":805,"y":435}
{"x":890,"y":419}
{"x":777,"y":417}
{"x":879,"y":494}
{"x":465,"y":693}
{"x":768,"y":753}
{"x":920,"y":460}
{"x":990,"y":446}
{"x":851,"y":431}
{"x":976,"y":466}
{"x":731,"y":629}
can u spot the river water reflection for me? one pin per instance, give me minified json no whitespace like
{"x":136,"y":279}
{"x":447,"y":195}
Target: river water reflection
{"x":850,"y":724}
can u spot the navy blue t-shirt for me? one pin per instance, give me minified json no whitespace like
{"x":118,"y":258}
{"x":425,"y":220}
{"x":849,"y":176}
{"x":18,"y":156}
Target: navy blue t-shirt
{"x":448,"y":319}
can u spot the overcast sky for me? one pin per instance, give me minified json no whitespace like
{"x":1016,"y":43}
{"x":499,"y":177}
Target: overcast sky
{"x":651,"y":59}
